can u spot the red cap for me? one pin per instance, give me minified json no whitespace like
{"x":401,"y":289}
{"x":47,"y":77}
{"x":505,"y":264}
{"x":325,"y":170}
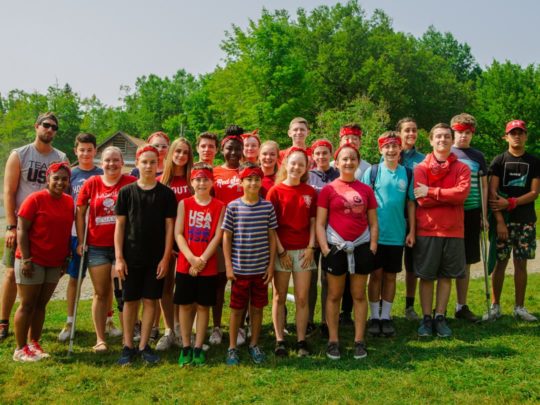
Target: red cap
{"x":515,"y":124}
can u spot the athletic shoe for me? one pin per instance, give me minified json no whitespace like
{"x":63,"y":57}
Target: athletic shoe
{"x":38,"y":350}
{"x":311,"y":329}
{"x":241,"y":338}
{"x":345,"y":318}
{"x":281,"y":349}
{"x":302,"y":348}
{"x":257,"y":355}
{"x":4,"y":329}
{"x":493,"y":313}
{"x":332,"y":351}
{"x":360,"y":351}
{"x":524,"y":315}
{"x":166,"y":341}
{"x":387,"y":328}
{"x":199,"y":357}
{"x":441,"y":327}
{"x":216,"y":336}
{"x":411,"y":315}
{"x":65,"y":333}
{"x":374,"y":327}
{"x":25,"y":355}
{"x":148,"y":355}
{"x":112,"y":330}
{"x":154,"y":334}
{"x":127,"y":356}
{"x":466,"y":314}
{"x":233,"y":358}
{"x":186,"y":356}
{"x":426,"y":327}
{"x":324,"y":330}
{"x":137,"y":332}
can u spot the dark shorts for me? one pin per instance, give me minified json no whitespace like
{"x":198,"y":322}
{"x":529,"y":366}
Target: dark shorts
{"x":246,"y":289}
{"x":472,"y":235}
{"x":389,"y":258}
{"x":335,"y":262}
{"x":195,"y":290}
{"x":436,"y":257}
{"x":100,"y":255}
{"x":141,"y":283}
{"x":521,"y":239}
{"x":75,"y":262}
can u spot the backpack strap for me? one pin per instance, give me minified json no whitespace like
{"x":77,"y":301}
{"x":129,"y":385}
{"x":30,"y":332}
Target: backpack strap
{"x":373,"y":175}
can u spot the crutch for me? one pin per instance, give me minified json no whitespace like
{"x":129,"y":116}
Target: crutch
{"x":484,"y":245}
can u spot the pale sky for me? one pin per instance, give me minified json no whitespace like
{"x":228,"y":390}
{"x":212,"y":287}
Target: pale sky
{"x":98,"y":45}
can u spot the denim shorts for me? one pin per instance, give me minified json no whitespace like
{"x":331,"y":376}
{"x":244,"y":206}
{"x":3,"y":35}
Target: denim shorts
{"x":99,"y":255}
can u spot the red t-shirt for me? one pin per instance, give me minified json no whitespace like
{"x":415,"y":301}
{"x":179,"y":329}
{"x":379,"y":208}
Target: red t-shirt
{"x":266,"y":184}
{"x":227,"y":184}
{"x":347,"y":204}
{"x":50,"y":233}
{"x":102,"y":219}
{"x":294,"y":206}
{"x":180,"y":187}
{"x":200,"y":225}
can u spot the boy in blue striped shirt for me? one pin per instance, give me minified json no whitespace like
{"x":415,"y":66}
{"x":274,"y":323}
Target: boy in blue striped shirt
{"x":249,"y":247}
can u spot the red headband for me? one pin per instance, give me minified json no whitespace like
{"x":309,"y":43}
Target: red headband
{"x":251,"y":171}
{"x":231,"y":138}
{"x":293,"y":149}
{"x":346,"y":145}
{"x":386,"y":140}
{"x":350,"y":131}
{"x":147,"y":148}
{"x":159,"y":133}
{"x":202,"y":173}
{"x":321,"y":142}
{"x":55,"y":167}
{"x":254,"y":134}
{"x":458,"y":126}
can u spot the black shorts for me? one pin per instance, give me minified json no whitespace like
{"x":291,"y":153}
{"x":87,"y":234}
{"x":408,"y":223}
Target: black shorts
{"x":336,"y":261}
{"x":389,"y":258}
{"x":195,"y":290}
{"x":472,"y":235}
{"x":141,"y":282}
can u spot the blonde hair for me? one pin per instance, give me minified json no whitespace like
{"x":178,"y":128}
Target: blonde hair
{"x":112,"y":148}
{"x":273,"y":144}
{"x":282,"y":172}
{"x":298,"y":120}
{"x":169,"y":165}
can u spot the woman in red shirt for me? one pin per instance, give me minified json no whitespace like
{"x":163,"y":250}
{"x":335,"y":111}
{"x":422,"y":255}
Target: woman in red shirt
{"x":268,"y":158}
{"x":43,"y":238}
{"x":98,"y":197}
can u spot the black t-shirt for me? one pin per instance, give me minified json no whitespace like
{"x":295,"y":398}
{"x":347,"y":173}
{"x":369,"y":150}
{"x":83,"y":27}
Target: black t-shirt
{"x":515,"y":177}
{"x":145,"y":212}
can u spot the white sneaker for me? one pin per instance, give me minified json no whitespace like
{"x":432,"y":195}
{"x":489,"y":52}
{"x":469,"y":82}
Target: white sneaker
{"x":524,"y":315}
{"x":411,"y":315}
{"x":241,"y":338}
{"x":216,"y":336}
{"x":65,"y":333}
{"x":25,"y":355}
{"x":36,"y":348}
{"x":166,"y":341}
{"x":112,"y":330}
{"x":493,"y":313}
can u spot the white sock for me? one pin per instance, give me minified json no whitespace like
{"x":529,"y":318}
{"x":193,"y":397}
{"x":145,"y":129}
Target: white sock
{"x":374,"y":310}
{"x":437,"y":314}
{"x":386,"y":309}
{"x":109,"y":319}
{"x":69,"y":319}
{"x":458,"y":307}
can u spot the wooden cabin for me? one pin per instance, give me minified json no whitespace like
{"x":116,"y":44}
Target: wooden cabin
{"x":128,"y":145}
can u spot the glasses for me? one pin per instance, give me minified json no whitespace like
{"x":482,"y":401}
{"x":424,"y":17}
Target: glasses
{"x":160,"y":146}
{"x":46,"y":125}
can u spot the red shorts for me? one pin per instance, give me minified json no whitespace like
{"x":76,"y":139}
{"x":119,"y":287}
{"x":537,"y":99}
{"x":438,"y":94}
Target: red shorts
{"x":249,"y":288}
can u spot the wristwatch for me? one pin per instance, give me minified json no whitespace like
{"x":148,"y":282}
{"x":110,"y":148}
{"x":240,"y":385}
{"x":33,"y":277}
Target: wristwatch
{"x":11,"y":227}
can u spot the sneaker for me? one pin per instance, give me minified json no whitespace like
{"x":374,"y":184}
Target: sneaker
{"x":302,"y":348}
{"x":466,"y":314}
{"x":216,"y":336}
{"x":112,"y":330}
{"x":148,"y":355}
{"x":186,"y":356}
{"x":324,"y":330}
{"x":38,"y":350}
{"x":387,"y":328}
{"x":127,"y":356}
{"x":154,"y":334}
{"x":426,"y":327}
{"x":65,"y":333}
{"x":199,"y":357}
{"x":241,"y":338}
{"x":524,"y":315}
{"x":345,"y":318}
{"x":311,"y":329}
{"x":441,"y":327}
{"x":493,"y":313}
{"x":4,"y":330}
{"x":411,"y":315}
{"x":256,"y":353}
{"x":137,"y":332}
{"x":166,"y":341}
{"x":360,"y":351}
{"x":25,"y":355}
{"x":232,"y":357}
{"x":374,"y":327}
{"x":332,"y":351}
{"x":281,"y":349}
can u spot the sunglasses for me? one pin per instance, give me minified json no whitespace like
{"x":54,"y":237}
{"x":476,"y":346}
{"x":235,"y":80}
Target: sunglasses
{"x":46,"y":125}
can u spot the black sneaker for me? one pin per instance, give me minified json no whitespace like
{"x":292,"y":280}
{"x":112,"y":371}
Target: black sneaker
{"x":426,"y":327}
{"x":127,"y":356}
{"x":374,"y":327}
{"x":324,"y":330}
{"x":311,"y":329}
{"x":332,"y":351}
{"x":149,"y":356}
{"x":360,"y":351}
{"x":302,"y":348}
{"x":345,"y":318}
{"x":281,"y":349}
{"x":4,"y":330}
{"x":387,"y":328}
{"x":466,"y":314}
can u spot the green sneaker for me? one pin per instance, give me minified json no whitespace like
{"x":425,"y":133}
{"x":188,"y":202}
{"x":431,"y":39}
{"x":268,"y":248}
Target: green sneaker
{"x":186,"y":356}
{"x":426,"y":327}
{"x":442,"y":328}
{"x":199,"y":357}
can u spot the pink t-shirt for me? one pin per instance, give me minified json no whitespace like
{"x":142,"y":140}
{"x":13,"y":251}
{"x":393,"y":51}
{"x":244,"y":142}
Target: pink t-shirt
{"x":347,"y":205}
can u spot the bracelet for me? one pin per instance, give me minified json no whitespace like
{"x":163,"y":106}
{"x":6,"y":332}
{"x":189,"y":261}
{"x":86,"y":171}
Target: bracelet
{"x":282,"y":254}
{"x":26,"y":261}
{"x":512,"y":203}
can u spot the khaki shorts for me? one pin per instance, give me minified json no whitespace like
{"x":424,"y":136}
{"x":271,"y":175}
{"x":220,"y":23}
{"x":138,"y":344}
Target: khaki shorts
{"x":41,"y":275}
{"x":296,"y":262}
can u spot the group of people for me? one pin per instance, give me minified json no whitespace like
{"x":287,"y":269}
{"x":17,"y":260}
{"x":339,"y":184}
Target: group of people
{"x":167,"y":238}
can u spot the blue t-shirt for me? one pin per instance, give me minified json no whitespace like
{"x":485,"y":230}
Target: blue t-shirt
{"x":391,"y":195}
{"x":249,"y":226}
{"x":476,"y":162}
{"x":318,"y":179}
{"x":410,"y":158}
{"x":78,"y":177}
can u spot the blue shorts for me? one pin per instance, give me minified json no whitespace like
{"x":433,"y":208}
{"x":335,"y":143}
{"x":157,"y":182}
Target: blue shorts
{"x":73,"y":267}
{"x":98,"y":255}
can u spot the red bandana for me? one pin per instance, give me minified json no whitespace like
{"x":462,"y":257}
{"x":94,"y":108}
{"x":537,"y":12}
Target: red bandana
{"x":254,"y":134}
{"x":463,"y":127}
{"x":346,"y":145}
{"x":388,"y":139}
{"x":322,"y":142}
{"x":147,"y":148}
{"x":159,"y":133}
{"x":293,"y":149}
{"x":436,"y":170}
{"x":55,"y":167}
{"x":251,"y":171}
{"x":202,"y":173}
{"x":350,"y":131}
{"x":230,"y":138}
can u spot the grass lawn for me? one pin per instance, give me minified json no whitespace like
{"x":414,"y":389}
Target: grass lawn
{"x":495,"y":362}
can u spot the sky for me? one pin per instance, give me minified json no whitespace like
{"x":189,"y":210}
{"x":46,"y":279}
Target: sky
{"x":99,"y":45}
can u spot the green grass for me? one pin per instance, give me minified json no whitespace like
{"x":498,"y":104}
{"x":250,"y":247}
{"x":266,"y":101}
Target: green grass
{"x":487,"y":363}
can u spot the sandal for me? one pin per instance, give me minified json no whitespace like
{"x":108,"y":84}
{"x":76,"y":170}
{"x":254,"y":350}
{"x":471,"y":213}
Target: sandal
{"x":101,"y":347}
